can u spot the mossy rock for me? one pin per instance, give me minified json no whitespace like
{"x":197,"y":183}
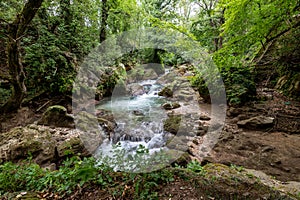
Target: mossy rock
{"x":166,"y":92}
{"x":172,"y":124}
{"x":19,"y":143}
{"x":170,"y":106}
{"x":57,"y":116}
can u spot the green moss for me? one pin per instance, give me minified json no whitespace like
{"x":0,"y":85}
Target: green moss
{"x":172,"y":124}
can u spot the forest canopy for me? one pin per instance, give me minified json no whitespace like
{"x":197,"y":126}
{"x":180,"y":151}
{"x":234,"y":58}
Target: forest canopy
{"x":44,"y":42}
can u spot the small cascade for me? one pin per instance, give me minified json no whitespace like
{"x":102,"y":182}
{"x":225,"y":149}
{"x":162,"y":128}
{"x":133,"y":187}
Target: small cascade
{"x":139,"y":120}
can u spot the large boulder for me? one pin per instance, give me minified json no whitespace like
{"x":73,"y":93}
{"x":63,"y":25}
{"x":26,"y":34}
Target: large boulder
{"x":258,"y":122}
{"x":57,"y":116}
{"x":150,"y":74}
{"x":136,"y":89}
{"x":44,"y":144}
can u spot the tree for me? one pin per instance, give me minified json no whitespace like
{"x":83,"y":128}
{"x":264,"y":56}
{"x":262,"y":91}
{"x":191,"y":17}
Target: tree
{"x":207,"y":26}
{"x":103,"y":25}
{"x":15,"y":33}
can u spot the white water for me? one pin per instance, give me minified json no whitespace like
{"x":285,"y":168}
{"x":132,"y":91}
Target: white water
{"x":148,"y":126}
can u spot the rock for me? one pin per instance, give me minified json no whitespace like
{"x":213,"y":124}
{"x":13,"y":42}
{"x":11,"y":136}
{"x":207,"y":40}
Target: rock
{"x":182,"y":69}
{"x":57,"y":116}
{"x":108,"y":125}
{"x":44,"y":144}
{"x":170,"y":106}
{"x":71,"y":146}
{"x":138,"y":113}
{"x":150,"y":74}
{"x":204,"y":117}
{"x":136,"y":89}
{"x":250,"y":184}
{"x":92,"y":135}
{"x":105,"y":114}
{"x":167,"y":78}
{"x":172,"y":124}
{"x":183,"y":160}
{"x":183,"y":96}
{"x":188,"y":74}
{"x":147,"y":87}
{"x":120,"y":89}
{"x":234,"y":112}
{"x":158,"y":68}
{"x":258,"y":122}
{"x":166,"y":92}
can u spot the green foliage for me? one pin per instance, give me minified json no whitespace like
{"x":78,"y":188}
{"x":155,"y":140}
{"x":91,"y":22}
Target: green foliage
{"x":31,"y":177}
{"x":8,"y":9}
{"x":206,"y":26}
{"x":19,"y":177}
{"x":63,"y":40}
{"x":4,"y":94}
{"x":74,"y":173}
{"x":237,"y":168}
{"x":195,"y":166}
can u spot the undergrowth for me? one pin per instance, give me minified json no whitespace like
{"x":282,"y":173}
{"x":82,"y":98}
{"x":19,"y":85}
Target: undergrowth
{"x":75,"y":172}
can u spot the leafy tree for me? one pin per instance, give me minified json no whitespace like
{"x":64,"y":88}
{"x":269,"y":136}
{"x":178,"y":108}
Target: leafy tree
{"x":207,"y":26}
{"x":60,"y":37}
{"x":15,"y":33}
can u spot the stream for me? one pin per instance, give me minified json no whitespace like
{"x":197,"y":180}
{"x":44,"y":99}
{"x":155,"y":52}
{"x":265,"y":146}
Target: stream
{"x":139,"y":121}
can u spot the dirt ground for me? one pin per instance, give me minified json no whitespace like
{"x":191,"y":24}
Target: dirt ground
{"x":275,"y":151}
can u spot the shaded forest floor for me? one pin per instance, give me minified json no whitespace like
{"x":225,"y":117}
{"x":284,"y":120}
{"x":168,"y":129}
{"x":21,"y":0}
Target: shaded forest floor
{"x":275,"y":151}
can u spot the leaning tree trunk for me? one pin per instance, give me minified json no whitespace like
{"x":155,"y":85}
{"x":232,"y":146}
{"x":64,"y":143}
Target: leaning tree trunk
{"x":16,"y":31}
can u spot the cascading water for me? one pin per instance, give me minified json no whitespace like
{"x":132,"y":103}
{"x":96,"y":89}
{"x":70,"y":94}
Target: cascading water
{"x":139,"y":121}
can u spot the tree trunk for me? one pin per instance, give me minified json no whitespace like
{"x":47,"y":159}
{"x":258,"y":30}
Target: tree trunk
{"x":16,"y":73}
{"x":104,"y":16}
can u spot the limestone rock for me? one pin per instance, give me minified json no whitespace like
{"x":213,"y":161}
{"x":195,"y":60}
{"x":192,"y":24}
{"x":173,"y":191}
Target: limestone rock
{"x":44,"y":144}
{"x":258,"y":122}
{"x":57,"y":116}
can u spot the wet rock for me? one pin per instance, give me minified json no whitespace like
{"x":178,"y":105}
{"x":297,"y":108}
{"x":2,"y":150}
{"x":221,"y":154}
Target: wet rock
{"x":259,"y":122}
{"x":93,"y":133}
{"x":172,"y":124}
{"x":138,"y":113}
{"x":108,"y":125}
{"x":136,"y":89}
{"x":166,"y":92}
{"x":105,"y":114}
{"x":170,"y":106}
{"x":57,"y":116}
{"x":147,"y":87}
